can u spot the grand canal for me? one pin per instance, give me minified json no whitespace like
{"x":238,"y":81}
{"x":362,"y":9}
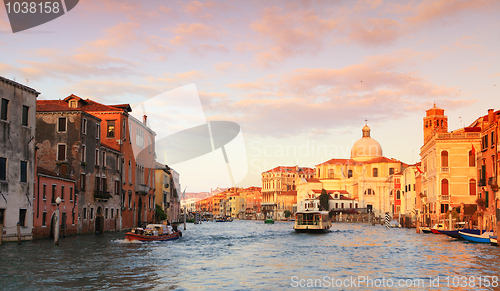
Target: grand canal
{"x":249,"y":255}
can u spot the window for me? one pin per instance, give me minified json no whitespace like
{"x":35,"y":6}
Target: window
{"x":130,"y":132}
{"x":61,"y":127}
{"x":97,"y":157}
{"x":62,"y":192}
{"x":331,"y":173}
{"x":61,"y":152}
{"x":492,"y":139}
{"x":111,"y":128}
{"x":2,"y":217}
{"x":391,"y":171}
{"x":24,"y":118}
{"x":106,"y":213}
{"x":53,"y":198}
{"x":485,"y":142}
{"x":124,"y":131}
{"x":97,"y":183}
{"x":84,"y":125}
{"x":444,"y":159}
{"x":73,"y":104}
{"x":129,"y":199}
{"x":24,"y":171}
{"x":472,"y":159}
{"x":44,"y":192}
{"x":5,"y":106}
{"x":82,"y":181}
{"x":123,"y":171}
{"x":112,"y":213}
{"x":486,"y":199}
{"x":84,"y":213}
{"x":3,"y":169}
{"x":91,"y":213}
{"x":369,"y":192}
{"x":472,"y":187}
{"x":444,"y":187}
{"x":98,"y":131}
{"x":104,"y":159}
{"x":130,"y":171}
{"x":349,"y":174}
{"x":70,"y":193}
{"x":44,"y":218}
{"x":117,"y":187}
{"x":375,"y":172}
{"x":398,"y":195}
{"x":84,"y":154}
{"x":22,"y":217}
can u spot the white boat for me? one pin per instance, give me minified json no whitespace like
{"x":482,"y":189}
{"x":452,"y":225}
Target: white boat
{"x":312,"y":221}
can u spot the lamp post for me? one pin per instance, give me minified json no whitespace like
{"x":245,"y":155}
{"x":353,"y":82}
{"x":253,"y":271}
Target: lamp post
{"x":56,"y":228}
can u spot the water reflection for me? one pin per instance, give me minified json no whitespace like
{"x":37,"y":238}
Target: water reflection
{"x":241,"y":255}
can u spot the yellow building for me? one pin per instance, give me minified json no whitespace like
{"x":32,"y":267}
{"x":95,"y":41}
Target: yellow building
{"x":277,"y":181}
{"x":448,"y":165}
{"x":364,"y":176}
{"x":237,"y":205}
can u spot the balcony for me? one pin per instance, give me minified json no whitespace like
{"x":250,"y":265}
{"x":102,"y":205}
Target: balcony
{"x":445,"y":170}
{"x":481,"y":182}
{"x":142,"y":189}
{"x":445,"y":197}
{"x":101,"y":196}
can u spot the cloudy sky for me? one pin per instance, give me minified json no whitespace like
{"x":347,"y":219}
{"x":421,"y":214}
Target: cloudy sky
{"x":299,"y":77}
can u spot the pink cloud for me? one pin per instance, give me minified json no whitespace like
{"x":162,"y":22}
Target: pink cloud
{"x":188,"y":32}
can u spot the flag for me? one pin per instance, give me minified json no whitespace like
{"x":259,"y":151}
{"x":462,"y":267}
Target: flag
{"x":419,"y":169}
{"x":473,"y":150}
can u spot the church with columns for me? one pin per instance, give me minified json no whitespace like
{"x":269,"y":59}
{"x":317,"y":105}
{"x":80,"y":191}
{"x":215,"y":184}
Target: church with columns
{"x":367,"y":177}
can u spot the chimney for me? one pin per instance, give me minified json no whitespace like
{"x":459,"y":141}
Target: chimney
{"x":490,"y":116}
{"x":144,"y":119}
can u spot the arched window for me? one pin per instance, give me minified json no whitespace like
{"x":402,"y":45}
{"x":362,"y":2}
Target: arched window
{"x":472,"y":187}
{"x":375,"y":172}
{"x":349,"y":174}
{"x":444,"y":187}
{"x":369,"y":192}
{"x":444,"y":159}
{"x":398,"y":195}
{"x":472,"y":159}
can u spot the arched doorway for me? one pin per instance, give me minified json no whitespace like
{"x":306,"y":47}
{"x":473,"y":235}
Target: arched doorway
{"x":99,"y":221}
{"x":139,"y":213}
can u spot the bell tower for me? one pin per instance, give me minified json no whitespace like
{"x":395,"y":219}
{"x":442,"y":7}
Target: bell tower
{"x":434,"y":122}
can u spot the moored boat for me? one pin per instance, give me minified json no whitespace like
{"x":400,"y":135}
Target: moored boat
{"x":493,"y":240}
{"x":455,"y":234}
{"x":479,"y":238}
{"x":425,"y":230}
{"x":153,"y":232}
{"x":312,"y":221}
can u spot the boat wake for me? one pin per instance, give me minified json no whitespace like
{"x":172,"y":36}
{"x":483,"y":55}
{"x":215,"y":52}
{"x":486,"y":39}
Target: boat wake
{"x":126,"y":241}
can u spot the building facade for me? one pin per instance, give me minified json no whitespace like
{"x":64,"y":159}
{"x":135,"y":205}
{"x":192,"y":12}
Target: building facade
{"x":49,"y":186}
{"x":449,"y":178}
{"x":69,"y":142}
{"x":17,"y":158}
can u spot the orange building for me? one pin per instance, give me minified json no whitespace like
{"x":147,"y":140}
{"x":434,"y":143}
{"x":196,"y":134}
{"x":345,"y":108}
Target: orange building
{"x":122,"y":132}
{"x":286,"y":201}
{"x":253,"y":197}
{"x":487,"y":169}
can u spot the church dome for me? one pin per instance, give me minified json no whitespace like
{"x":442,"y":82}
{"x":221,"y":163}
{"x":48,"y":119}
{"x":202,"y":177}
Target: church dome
{"x":366,"y":148}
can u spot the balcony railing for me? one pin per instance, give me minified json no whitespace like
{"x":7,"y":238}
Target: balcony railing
{"x":445,"y":197}
{"x":142,"y":189}
{"x":445,"y":170}
{"x":458,"y":135}
{"x":102,"y":195}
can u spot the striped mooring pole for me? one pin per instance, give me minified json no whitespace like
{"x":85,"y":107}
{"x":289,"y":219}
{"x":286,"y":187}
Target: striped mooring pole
{"x":387,"y":219}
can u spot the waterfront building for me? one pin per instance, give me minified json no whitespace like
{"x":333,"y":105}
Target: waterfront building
{"x":487,"y":170}
{"x":279,"y":180}
{"x":448,"y":160}
{"x":162,"y":187}
{"x":237,"y":205}
{"x":365,"y":176}
{"x":286,"y":202}
{"x":338,"y":201}
{"x":253,"y":199}
{"x":174,"y":211}
{"x":17,"y":158}
{"x":48,"y":186}
{"x":133,"y":138}
{"x":69,"y":142}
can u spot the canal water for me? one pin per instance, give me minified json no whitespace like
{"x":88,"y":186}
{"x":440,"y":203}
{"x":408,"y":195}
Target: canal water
{"x":251,"y":255}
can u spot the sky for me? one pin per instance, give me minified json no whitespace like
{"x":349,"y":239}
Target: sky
{"x":300,"y":78}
